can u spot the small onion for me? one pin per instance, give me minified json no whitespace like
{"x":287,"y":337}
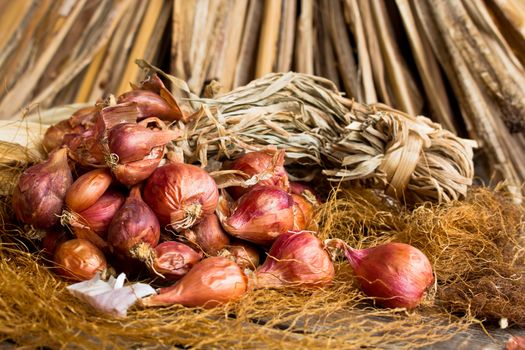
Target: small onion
{"x":211,"y":282}
{"x":87,"y":189}
{"x":394,"y":274}
{"x":39,"y":196}
{"x":295,"y":259}
{"x":99,"y":215}
{"x":136,"y":150}
{"x":261,"y":215}
{"x":243,"y":253}
{"x":133,"y":224}
{"x":173,"y":259}
{"x":208,"y":235}
{"x":268,"y":165}
{"x":79,"y":260}
{"x":181,"y":195}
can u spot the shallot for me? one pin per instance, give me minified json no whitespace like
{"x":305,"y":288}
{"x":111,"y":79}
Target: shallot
{"x":133,"y":224}
{"x":296,"y":259}
{"x":261,"y":215}
{"x":211,"y":282}
{"x":181,"y":195}
{"x":174,"y":259}
{"x":394,"y":274}
{"x":39,"y":195}
{"x":267,"y":166}
{"x":208,"y":235}
{"x":79,"y":259}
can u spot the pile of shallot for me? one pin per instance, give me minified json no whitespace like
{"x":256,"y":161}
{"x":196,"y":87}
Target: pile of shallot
{"x":109,"y":199}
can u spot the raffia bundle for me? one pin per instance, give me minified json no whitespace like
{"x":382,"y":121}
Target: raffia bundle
{"x":410,"y":157}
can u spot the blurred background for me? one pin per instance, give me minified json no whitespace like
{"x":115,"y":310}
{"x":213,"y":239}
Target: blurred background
{"x":460,"y":62}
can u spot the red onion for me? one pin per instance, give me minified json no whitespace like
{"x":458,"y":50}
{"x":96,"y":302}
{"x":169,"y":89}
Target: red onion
{"x":267,"y":165}
{"x":181,"y":195}
{"x":137,"y":148}
{"x":261,"y":215}
{"x":295,"y":259}
{"x":39,"y":196}
{"x":394,"y":274}
{"x":243,"y":253}
{"x":134,"y":225}
{"x":79,"y":260}
{"x":99,"y":215}
{"x":87,"y":189}
{"x":207,"y":235}
{"x":173,"y":259}
{"x":211,"y":282}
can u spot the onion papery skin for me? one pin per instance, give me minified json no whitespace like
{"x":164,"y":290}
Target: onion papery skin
{"x":395,"y":274}
{"x":211,"y":282}
{"x":39,"y":196}
{"x":303,"y":213}
{"x":296,"y":260}
{"x":79,"y":260}
{"x":306,"y":191}
{"x":261,"y":215}
{"x":150,"y":104}
{"x":181,"y":195}
{"x":270,"y":163}
{"x":174,"y":259}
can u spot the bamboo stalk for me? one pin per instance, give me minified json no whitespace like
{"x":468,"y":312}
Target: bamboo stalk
{"x":366,"y":76}
{"x":146,"y":30}
{"x":15,"y":99}
{"x":266,"y":55}
{"x":286,"y":37}
{"x":304,"y":62}
{"x":428,"y":68}
{"x":244,"y":71}
{"x":394,"y":62}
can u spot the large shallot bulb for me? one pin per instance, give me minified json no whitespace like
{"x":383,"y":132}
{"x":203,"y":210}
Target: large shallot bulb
{"x":296,"y":259}
{"x":207,"y":235}
{"x":181,"y":194}
{"x":134,"y":228}
{"x":394,"y":274}
{"x":268,"y":166}
{"x":174,"y":259}
{"x":39,"y":196}
{"x":211,"y":282}
{"x":261,"y":215}
{"x":136,"y":150}
{"x":79,"y":259}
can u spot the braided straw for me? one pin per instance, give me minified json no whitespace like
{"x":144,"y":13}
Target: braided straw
{"x":411,"y":158}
